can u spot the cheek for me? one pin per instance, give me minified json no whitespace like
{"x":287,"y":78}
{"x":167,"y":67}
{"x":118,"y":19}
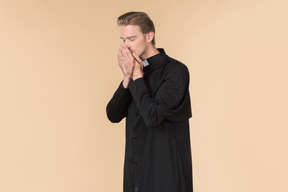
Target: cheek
{"x":135,"y":45}
{"x":138,"y":46}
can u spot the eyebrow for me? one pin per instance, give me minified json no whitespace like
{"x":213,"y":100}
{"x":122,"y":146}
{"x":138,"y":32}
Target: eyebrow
{"x":131,"y":37}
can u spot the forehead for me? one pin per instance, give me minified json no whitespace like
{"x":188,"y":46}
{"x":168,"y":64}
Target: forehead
{"x":129,"y":30}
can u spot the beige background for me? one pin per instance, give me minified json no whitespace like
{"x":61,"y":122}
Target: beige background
{"x":58,"y":70}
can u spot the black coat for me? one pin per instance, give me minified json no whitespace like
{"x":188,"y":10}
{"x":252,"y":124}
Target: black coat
{"x":157,"y":110}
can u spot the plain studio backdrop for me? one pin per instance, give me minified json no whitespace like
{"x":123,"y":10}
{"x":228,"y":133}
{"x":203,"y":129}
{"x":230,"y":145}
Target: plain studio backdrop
{"x":58,"y":70}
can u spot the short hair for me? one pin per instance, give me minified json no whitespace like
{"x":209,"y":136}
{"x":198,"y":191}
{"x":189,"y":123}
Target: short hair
{"x":140,"y":19}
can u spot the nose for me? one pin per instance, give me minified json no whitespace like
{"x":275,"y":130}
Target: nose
{"x":127,"y":44}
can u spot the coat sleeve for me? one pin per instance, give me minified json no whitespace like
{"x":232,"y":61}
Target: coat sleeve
{"x":171,"y":101}
{"x":117,"y":107}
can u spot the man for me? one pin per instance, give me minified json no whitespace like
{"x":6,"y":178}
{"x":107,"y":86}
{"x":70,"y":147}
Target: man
{"x":154,"y":98}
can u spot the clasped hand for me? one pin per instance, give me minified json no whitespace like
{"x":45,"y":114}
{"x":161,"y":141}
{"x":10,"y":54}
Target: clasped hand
{"x":129,"y":63}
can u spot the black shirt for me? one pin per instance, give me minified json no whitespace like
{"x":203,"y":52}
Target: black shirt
{"x":157,"y":110}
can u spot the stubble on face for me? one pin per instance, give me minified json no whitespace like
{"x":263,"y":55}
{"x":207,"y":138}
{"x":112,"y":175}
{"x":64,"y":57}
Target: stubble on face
{"x":134,"y":39}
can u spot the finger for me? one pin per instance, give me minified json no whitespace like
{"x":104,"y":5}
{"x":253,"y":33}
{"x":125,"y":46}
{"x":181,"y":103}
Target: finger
{"x":137,"y":58}
{"x":127,"y":53}
{"x":124,"y":69}
{"x":120,"y":57}
{"x":121,"y":48}
{"x":121,"y":54}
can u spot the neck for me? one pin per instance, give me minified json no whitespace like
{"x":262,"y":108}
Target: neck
{"x":150,"y":51}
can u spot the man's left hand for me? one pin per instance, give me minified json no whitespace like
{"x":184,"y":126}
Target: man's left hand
{"x":138,"y":67}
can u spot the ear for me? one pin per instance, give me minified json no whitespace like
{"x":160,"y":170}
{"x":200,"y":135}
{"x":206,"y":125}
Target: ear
{"x":149,"y":36}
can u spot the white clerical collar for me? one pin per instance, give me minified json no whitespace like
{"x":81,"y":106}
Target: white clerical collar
{"x":145,"y":63}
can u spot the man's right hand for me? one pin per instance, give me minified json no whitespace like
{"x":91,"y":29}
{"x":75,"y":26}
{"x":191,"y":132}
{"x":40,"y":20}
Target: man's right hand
{"x":126,"y":63}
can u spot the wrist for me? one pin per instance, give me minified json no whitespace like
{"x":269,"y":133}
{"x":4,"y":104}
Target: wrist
{"x":126,"y":81}
{"x":137,"y":75}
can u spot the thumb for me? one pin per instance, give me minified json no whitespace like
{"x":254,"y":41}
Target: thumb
{"x":138,"y":59}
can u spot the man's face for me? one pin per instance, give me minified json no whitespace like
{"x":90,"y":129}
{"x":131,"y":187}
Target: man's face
{"x":134,"y":39}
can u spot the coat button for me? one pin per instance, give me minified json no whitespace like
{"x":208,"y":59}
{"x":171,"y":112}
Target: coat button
{"x":134,"y":138}
{"x":135,"y":162}
{"x":136,"y":189}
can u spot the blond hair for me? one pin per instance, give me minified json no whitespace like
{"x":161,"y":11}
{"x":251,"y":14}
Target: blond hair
{"x":140,"y":19}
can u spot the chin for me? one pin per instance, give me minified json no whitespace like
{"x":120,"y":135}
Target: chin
{"x":135,"y":53}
